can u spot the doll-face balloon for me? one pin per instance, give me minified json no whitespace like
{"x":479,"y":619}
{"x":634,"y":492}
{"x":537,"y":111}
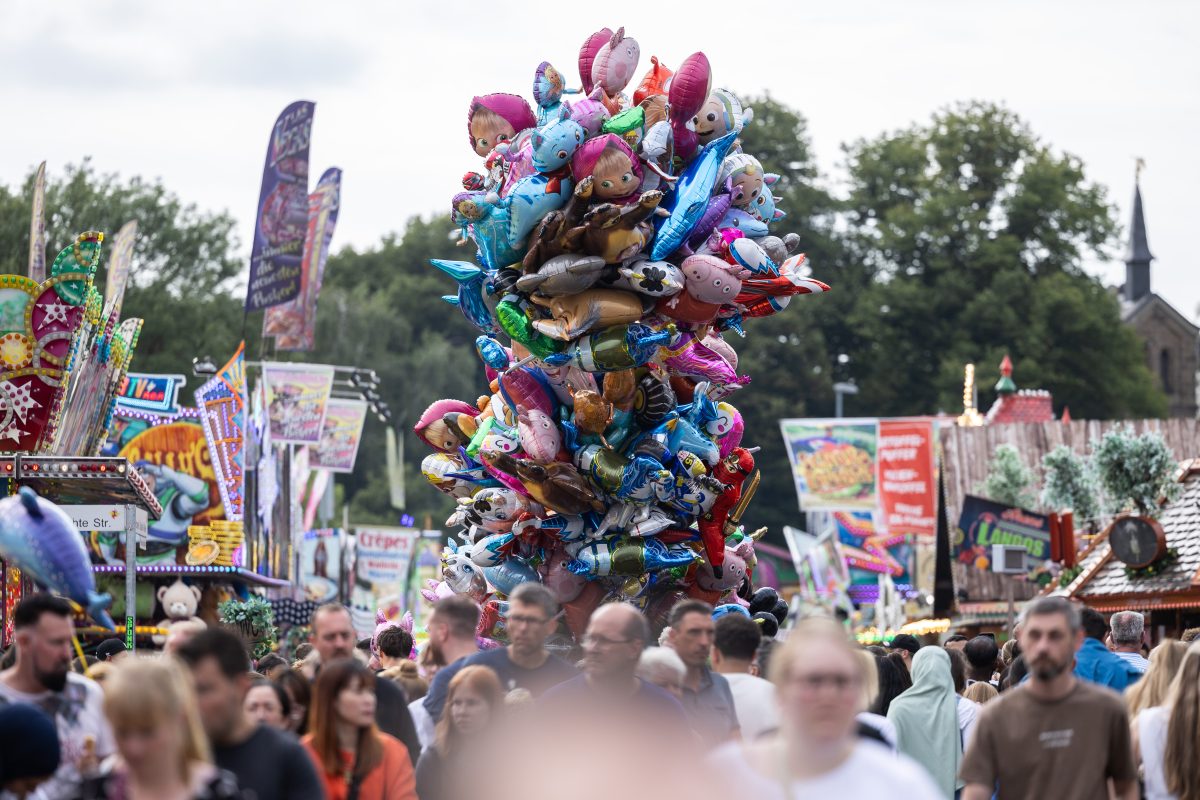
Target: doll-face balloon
{"x":614,"y":176}
{"x":489,"y":130}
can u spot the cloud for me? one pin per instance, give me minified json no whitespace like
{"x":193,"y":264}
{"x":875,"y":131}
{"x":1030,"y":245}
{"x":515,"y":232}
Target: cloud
{"x":276,"y":61}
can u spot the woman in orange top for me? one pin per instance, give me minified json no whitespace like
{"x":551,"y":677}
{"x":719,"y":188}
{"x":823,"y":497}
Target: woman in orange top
{"x":357,"y":761}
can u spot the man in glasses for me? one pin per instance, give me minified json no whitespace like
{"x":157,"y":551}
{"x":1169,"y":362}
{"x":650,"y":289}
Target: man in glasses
{"x":616,"y":635}
{"x":525,"y":663}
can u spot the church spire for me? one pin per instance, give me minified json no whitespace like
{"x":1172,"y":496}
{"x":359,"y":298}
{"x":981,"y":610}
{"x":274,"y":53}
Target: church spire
{"x":1137,"y":261}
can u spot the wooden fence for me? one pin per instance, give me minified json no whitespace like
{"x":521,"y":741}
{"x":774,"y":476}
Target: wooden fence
{"x":967,"y":454}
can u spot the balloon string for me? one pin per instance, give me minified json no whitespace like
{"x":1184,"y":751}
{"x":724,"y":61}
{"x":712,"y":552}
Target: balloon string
{"x":87,"y":670}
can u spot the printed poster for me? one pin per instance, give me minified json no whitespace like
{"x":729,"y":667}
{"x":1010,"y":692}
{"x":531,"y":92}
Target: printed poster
{"x":281,"y":220}
{"x":340,"y":435}
{"x":907,"y":485}
{"x":382,"y":563}
{"x":983,"y":523}
{"x":321,"y":564}
{"x":297,"y":396}
{"x":833,"y":462}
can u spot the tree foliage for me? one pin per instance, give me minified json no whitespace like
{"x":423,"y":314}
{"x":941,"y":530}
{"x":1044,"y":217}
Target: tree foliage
{"x":1069,"y":482}
{"x":1008,"y":480}
{"x":1135,"y":471}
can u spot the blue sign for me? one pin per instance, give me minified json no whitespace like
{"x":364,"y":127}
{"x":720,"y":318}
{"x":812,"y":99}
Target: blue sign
{"x":158,"y":394}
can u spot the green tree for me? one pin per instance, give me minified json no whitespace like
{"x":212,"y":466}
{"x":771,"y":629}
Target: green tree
{"x":976,"y":230}
{"x":185,"y":260}
{"x":1135,"y":471}
{"x":1008,"y":480}
{"x":1069,"y":482}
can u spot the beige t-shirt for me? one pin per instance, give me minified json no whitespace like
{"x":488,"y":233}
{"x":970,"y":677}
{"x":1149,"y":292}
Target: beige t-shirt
{"x":1065,"y":749}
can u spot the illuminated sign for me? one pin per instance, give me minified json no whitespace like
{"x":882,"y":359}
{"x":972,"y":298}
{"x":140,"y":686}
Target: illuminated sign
{"x":155,"y":393}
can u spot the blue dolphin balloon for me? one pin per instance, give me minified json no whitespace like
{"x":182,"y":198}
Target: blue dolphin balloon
{"x":691,"y":196}
{"x":470,"y":293}
{"x":39,"y":538}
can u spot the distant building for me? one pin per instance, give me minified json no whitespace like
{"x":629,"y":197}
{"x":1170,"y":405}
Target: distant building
{"x":1011,"y":406}
{"x":1172,"y":341}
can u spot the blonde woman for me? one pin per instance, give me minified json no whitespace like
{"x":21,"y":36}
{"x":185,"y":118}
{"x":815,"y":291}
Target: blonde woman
{"x":1164,"y":737}
{"x":1152,"y":689}
{"x":161,"y":748}
{"x":980,"y":692}
{"x":817,"y":753}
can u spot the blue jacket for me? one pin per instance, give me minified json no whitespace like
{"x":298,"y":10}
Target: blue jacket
{"x":1094,"y":662}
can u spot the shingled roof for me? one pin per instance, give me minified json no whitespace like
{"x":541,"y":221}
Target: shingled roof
{"x":1102,"y":584}
{"x":1014,"y":406}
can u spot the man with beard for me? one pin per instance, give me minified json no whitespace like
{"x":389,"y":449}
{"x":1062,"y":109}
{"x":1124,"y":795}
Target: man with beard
{"x":41,"y":677}
{"x":1055,"y":735}
{"x":333,"y":638}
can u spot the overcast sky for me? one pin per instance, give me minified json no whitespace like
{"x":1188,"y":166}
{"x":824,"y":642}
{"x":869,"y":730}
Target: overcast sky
{"x":188,"y":91}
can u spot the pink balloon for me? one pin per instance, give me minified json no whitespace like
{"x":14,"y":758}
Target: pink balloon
{"x":690,"y":87}
{"x":587,"y":54}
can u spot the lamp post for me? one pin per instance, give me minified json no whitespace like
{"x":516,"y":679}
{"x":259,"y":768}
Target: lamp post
{"x":840,"y":389}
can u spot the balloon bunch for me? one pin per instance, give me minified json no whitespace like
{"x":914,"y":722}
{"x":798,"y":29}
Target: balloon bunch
{"x":619,"y":240}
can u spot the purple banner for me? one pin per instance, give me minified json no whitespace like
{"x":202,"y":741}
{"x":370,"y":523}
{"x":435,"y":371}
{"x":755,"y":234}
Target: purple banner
{"x":293,"y":324}
{"x":282,"y":220}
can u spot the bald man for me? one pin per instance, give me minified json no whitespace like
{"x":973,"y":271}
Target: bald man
{"x":616,"y":635}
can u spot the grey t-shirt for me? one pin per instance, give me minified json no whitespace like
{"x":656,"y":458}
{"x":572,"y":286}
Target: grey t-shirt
{"x":711,"y":710}
{"x":273,"y":765}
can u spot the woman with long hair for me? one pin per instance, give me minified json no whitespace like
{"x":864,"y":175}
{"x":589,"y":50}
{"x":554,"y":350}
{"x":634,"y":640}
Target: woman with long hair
{"x":474,"y":703}
{"x":1164,"y":737}
{"x":893,"y":681}
{"x":299,"y":694}
{"x":162,"y":749}
{"x":1152,"y":689}
{"x":267,"y":702}
{"x":356,"y":759}
{"x":926,"y":719}
{"x":819,"y":678}
{"x":872,"y":725}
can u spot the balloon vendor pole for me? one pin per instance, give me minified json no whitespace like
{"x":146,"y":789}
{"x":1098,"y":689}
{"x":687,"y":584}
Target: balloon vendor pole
{"x":130,"y":578}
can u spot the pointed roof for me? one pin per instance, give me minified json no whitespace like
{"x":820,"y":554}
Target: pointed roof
{"x":1006,"y":385}
{"x":1139,"y":247}
{"x":1066,"y":415}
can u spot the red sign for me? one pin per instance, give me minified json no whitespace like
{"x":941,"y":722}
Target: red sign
{"x":907,"y":491}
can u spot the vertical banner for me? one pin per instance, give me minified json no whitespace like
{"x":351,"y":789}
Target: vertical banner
{"x":222,"y":404}
{"x":281,"y":221}
{"x":297,"y":395}
{"x":119,"y":266}
{"x":382,"y":565}
{"x":37,"y":227}
{"x":340,"y":435}
{"x":321,"y":564}
{"x":293,"y":324}
{"x":395,"y":469}
{"x":907,"y":494}
{"x":833,"y":462}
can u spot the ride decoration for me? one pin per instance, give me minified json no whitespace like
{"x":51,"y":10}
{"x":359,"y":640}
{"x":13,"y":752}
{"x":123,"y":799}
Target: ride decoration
{"x":617,"y":242}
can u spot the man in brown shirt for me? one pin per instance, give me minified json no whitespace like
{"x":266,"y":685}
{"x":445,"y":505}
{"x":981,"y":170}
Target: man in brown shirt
{"x":1055,"y":736}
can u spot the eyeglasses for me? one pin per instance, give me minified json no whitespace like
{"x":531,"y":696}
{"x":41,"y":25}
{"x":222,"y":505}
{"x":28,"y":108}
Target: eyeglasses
{"x":838,"y":681}
{"x":592,"y":640}
{"x":521,"y":619}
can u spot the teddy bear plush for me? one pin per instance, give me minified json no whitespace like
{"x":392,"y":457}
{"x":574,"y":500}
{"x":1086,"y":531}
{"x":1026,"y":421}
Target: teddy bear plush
{"x":179,"y":602}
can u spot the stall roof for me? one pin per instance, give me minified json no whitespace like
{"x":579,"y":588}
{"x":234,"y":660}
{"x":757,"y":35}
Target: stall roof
{"x":82,"y":481}
{"x":1103,"y":576}
{"x":184,"y":570}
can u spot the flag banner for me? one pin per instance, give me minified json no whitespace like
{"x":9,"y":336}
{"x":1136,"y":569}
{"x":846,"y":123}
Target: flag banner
{"x":37,"y":227}
{"x":297,"y":395}
{"x":340,"y":435}
{"x":907,"y":492}
{"x":119,"y":267}
{"x":293,"y":324}
{"x":281,"y":221}
{"x":833,"y":462}
{"x":222,"y":404}
{"x":382,"y":567}
{"x":395,"y":469}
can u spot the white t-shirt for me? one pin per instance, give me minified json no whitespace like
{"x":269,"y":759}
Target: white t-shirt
{"x":886,"y":728}
{"x":871,"y":771}
{"x":422,"y":722}
{"x":968,"y":712}
{"x":78,"y":711}
{"x":1152,"y":744}
{"x":754,"y":700}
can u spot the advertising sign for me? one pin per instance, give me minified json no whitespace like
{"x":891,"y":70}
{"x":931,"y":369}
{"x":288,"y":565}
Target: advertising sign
{"x":907,"y":489}
{"x":984,"y":523}
{"x":833,"y":462}
{"x":297,"y":396}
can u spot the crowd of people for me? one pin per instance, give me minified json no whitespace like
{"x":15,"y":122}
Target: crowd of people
{"x":711,"y":710}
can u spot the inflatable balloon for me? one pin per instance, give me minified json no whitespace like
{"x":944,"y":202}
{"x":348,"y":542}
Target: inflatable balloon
{"x":40,"y":539}
{"x":614,"y":242}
